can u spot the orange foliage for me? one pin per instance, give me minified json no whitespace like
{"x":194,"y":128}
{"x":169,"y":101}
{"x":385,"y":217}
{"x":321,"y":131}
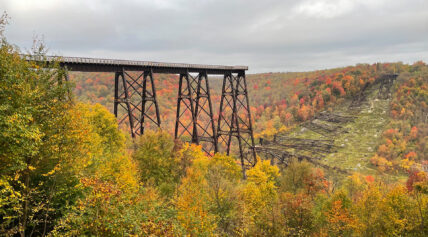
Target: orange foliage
{"x":413,"y":133}
{"x":369,"y":179}
{"x":411,"y":155}
{"x":303,"y":112}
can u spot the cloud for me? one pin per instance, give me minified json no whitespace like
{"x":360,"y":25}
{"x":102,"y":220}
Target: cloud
{"x":335,"y":8}
{"x":325,"y":8}
{"x":269,"y":35}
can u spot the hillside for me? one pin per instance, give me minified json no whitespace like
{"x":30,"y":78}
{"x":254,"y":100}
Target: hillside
{"x":284,"y":102}
{"x":68,"y":170}
{"x":340,"y":152}
{"x":352,"y":134}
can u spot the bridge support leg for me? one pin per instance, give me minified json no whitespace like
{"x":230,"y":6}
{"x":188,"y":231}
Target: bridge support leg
{"x":149,"y":102}
{"x":135,"y":100}
{"x":194,"y":105}
{"x":235,"y":119}
{"x":204,"y":131}
{"x":64,"y":76}
{"x":184,"y":120}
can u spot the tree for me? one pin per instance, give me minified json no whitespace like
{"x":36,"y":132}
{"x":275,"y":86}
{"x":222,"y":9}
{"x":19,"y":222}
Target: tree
{"x":259,"y":197}
{"x":208,"y":195}
{"x":304,"y":112}
{"x":113,"y":202}
{"x":223,"y":177}
{"x":355,"y":185}
{"x":156,"y":161}
{"x":50,"y":145}
{"x":39,"y":143}
{"x":400,"y":215}
{"x":339,"y":219}
{"x":108,"y":210}
{"x":295,"y":175}
{"x":296,"y":217}
{"x":417,"y":185}
{"x":367,"y":208}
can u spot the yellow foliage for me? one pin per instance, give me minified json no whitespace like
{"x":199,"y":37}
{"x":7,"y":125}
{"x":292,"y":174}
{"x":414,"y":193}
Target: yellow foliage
{"x":103,"y":146}
{"x":339,"y":220}
{"x":381,"y":162}
{"x":282,"y":129}
{"x":123,"y":171}
{"x":263,"y":173}
{"x":260,"y":193}
{"x":191,"y":201}
{"x":406,"y":163}
{"x":192,"y":206}
{"x":207,"y":196}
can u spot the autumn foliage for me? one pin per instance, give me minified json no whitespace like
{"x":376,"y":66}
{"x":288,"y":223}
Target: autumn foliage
{"x":404,"y":142}
{"x":67,"y":169}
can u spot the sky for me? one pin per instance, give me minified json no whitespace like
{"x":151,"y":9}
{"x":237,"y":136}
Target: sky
{"x":266,"y":35}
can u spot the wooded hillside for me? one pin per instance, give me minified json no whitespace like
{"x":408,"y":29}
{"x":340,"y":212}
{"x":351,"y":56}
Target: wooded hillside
{"x":66,"y":169}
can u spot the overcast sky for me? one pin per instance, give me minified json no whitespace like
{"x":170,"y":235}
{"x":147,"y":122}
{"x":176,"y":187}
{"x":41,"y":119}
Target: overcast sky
{"x":266,"y":35}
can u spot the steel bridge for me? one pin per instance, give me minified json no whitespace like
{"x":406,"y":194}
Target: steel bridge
{"x":136,"y":103}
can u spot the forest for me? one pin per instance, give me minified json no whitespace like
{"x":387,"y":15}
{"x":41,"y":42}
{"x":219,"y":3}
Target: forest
{"x":68,"y":169}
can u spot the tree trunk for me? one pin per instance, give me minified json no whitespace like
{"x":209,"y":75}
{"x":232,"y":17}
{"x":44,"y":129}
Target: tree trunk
{"x":25,"y":209}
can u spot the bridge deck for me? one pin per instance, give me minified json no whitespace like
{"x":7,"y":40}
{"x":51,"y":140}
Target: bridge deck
{"x":114,"y":65}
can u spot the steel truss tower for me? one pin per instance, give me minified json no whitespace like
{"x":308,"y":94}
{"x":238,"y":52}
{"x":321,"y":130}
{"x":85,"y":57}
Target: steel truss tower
{"x":194,"y":105}
{"x":234,"y":120}
{"x":135,"y":100}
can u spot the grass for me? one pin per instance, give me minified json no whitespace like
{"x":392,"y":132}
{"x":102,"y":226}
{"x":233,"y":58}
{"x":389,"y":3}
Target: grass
{"x":358,"y":140}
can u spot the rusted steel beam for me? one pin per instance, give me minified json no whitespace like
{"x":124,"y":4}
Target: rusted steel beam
{"x":314,"y":146}
{"x":283,"y":157}
{"x":334,"y":118}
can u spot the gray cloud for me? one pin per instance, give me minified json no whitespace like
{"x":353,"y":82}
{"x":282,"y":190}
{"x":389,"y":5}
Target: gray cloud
{"x":269,"y":35}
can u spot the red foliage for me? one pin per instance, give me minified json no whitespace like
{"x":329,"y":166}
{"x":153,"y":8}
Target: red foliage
{"x":296,"y":82}
{"x":369,"y":179}
{"x":414,"y":177}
